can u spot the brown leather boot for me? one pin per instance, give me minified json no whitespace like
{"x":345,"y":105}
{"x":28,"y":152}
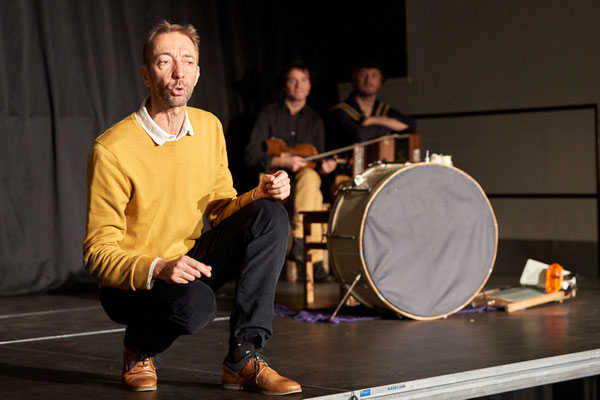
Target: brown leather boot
{"x":139,"y":373}
{"x":256,"y":375}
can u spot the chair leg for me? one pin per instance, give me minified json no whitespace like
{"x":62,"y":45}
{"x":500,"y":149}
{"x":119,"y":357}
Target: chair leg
{"x":291,"y":271}
{"x":309,"y":284}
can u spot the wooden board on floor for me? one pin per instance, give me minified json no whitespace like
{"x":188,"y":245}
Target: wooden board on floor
{"x":519,"y":298}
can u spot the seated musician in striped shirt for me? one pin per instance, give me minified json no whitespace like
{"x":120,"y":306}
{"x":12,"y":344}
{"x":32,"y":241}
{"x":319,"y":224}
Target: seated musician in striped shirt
{"x":362,"y":116}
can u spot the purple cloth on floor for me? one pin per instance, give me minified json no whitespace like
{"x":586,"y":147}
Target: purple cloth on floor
{"x":349,"y":314}
{"x":346,"y":314}
{"x":469,"y":309}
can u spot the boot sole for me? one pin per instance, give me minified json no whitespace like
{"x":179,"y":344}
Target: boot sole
{"x":231,"y":386}
{"x":142,"y":389}
{"x":255,"y":390}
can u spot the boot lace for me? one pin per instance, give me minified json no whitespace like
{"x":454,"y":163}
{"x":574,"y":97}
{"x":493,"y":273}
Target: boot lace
{"x":145,"y":361}
{"x":258,"y":362}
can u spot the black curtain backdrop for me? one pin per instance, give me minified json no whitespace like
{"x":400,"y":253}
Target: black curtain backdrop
{"x":69,"y":70}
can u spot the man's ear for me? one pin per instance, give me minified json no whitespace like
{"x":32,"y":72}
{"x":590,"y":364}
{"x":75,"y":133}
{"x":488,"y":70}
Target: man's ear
{"x":145,"y":74}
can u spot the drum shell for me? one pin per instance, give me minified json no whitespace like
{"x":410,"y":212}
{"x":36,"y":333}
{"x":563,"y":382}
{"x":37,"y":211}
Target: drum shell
{"x":347,"y":219}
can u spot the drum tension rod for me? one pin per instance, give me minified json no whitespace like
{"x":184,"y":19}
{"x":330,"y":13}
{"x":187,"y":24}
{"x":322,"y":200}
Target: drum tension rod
{"x":354,"y":189}
{"x":345,"y":297}
{"x":336,"y":236}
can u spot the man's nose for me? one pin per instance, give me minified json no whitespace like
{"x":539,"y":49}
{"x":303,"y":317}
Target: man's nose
{"x":178,"y":70}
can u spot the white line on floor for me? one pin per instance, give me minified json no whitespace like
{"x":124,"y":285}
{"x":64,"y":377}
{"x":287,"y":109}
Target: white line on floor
{"x":29,"y":314}
{"x":70,"y":335}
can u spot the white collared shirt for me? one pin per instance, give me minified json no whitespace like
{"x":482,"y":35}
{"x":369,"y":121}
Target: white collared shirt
{"x":158,"y":135}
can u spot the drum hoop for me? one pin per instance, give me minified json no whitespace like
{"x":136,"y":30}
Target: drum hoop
{"x":362,"y":227}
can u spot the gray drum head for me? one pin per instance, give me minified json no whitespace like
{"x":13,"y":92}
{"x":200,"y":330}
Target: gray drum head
{"x":429,"y":240}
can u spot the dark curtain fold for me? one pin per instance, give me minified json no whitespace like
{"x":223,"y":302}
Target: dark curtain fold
{"x":69,"y":70}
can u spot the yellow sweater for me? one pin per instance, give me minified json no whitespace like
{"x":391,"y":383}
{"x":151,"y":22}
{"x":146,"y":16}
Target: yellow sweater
{"x":146,"y":201}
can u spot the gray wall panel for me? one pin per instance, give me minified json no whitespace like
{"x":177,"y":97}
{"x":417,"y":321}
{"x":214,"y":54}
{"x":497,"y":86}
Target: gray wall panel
{"x":546,"y":219}
{"x":537,"y":152}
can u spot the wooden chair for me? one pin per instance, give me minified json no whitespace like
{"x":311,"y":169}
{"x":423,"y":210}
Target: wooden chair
{"x":309,"y":218}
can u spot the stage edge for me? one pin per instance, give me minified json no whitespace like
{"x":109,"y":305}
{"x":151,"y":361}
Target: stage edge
{"x":486,"y":381}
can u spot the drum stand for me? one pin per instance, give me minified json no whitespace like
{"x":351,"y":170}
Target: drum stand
{"x":337,"y":309}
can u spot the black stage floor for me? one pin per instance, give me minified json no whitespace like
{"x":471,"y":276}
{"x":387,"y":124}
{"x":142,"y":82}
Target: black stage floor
{"x":62,"y":346}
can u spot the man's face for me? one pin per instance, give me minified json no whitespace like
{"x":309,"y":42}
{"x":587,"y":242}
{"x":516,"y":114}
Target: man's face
{"x":367,"y":81}
{"x":173,"y":69}
{"x":297,"y":85}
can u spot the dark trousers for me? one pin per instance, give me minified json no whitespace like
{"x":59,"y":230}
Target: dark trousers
{"x":250,"y":245}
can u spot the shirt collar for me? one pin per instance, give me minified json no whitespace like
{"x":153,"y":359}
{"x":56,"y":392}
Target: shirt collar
{"x":158,"y":135}
{"x":287,"y":110}
{"x":354,"y":104}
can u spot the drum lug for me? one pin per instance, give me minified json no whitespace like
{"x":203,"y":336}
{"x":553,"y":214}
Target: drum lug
{"x":376,"y":163}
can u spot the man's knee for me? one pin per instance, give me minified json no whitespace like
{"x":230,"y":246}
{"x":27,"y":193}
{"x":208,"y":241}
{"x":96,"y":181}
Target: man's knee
{"x":194,"y":307}
{"x":308,"y":178}
{"x":273,"y":215}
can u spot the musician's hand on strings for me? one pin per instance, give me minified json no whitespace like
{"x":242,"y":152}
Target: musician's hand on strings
{"x":328,"y":165}
{"x":289,"y":161}
{"x":273,"y":186}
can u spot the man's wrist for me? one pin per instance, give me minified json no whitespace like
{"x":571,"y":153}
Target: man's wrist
{"x":152,"y":274}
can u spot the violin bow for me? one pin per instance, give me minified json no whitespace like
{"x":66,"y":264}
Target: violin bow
{"x":355,"y":145}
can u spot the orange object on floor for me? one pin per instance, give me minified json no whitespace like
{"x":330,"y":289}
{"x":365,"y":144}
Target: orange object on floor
{"x":554,"y":278}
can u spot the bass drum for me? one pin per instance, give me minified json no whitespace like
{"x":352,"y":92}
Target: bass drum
{"x":422,"y":236}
